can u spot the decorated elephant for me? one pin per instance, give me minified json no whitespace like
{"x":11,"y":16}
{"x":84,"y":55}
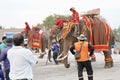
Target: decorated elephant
{"x":37,"y":40}
{"x":98,"y":33}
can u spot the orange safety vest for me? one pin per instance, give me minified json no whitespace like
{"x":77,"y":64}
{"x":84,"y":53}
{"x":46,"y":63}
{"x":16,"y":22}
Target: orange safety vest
{"x":84,"y":51}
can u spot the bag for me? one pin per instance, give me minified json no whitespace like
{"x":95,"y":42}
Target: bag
{"x":77,"y":55}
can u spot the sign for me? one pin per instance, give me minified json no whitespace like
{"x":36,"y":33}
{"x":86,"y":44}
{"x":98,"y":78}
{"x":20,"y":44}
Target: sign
{"x":9,"y":35}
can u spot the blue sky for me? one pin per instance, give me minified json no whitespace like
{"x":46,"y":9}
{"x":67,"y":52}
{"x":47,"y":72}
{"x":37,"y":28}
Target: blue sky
{"x":13,"y":13}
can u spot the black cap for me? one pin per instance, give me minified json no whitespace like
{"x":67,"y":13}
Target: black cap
{"x":9,"y":41}
{"x":3,"y":38}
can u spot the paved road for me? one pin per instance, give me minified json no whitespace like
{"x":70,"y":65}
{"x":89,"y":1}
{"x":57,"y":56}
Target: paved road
{"x":59,"y":72}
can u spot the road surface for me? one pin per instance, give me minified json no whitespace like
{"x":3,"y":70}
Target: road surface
{"x":51,"y":71}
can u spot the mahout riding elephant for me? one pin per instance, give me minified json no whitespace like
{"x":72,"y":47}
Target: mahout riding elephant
{"x":38,"y":40}
{"x":98,"y":33}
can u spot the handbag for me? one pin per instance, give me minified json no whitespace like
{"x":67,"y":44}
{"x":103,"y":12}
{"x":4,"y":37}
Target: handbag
{"x":77,"y":53}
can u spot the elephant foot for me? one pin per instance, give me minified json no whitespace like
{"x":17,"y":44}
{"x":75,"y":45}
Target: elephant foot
{"x":41,"y":56}
{"x":108,"y":62}
{"x":67,"y":65}
{"x":50,"y":60}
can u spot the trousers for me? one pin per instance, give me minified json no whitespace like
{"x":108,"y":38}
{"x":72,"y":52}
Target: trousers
{"x":88,"y":66}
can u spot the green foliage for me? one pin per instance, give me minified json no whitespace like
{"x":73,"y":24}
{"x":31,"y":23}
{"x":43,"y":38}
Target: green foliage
{"x":117,"y":33}
{"x":51,"y":19}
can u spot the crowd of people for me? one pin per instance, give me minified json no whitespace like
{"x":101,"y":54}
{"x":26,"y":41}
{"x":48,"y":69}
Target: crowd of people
{"x":17,"y":61}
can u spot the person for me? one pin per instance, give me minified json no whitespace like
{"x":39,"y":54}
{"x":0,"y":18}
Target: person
{"x":27,"y":28}
{"x":3,"y":44}
{"x":21,"y":60}
{"x":59,"y":22}
{"x":83,"y":61}
{"x":75,"y":16}
{"x":75,"y":20}
{"x":55,"y":50}
{"x":3,"y":57}
{"x":115,"y":51}
{"x":26,"y":43}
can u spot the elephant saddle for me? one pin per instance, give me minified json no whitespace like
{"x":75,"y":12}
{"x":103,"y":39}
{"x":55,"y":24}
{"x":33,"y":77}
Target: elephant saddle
{"x":99,"y":33}
{"x":37,"y":40}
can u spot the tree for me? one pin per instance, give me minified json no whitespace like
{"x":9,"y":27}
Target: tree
{"x":50,"y":20}
{"x":117,"y":33}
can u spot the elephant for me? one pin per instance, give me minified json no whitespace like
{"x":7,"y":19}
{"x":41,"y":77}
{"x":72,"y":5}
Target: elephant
{"x":97,"y":31}
{"x":38,"y":40}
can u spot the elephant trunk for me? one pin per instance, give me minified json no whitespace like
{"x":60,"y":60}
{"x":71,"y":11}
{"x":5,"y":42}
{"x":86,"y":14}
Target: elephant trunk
{"x":64,"y":58}
{"x":66,"y":63}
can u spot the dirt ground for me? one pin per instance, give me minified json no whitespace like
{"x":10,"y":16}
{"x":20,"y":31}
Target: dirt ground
{"x":59,"y":72}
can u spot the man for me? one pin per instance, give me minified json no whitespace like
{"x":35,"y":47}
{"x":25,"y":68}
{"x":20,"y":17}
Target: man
{"x":21,"y":60}
{"x":75,"y":20}
{"x":3,"y":57}
{"x":82,"y":46}
{"x":27,"y":28}
{"x":3,"y":44}
{"x":75,"y":16}
{"x":59,"y":22}
{"x":55,"y":50}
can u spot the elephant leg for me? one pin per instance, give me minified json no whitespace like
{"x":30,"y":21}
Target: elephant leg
{"x":41,"y":53}
{"x":49,"y":55}
{"x":108,"y":60}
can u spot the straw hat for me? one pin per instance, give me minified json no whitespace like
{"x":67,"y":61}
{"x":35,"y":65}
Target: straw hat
{"x":53,"y":41}
{"x":81,"y":37}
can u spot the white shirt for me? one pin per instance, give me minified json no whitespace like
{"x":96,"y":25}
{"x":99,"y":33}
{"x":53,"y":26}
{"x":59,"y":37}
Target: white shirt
{"x":21,"y":61}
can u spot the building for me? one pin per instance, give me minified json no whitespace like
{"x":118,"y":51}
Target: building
{"x":9,"y":32}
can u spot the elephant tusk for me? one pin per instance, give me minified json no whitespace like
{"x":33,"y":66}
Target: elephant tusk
{"x":59,"y":56}
{"x":60,"y":59}
{"x":66,"y":55}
